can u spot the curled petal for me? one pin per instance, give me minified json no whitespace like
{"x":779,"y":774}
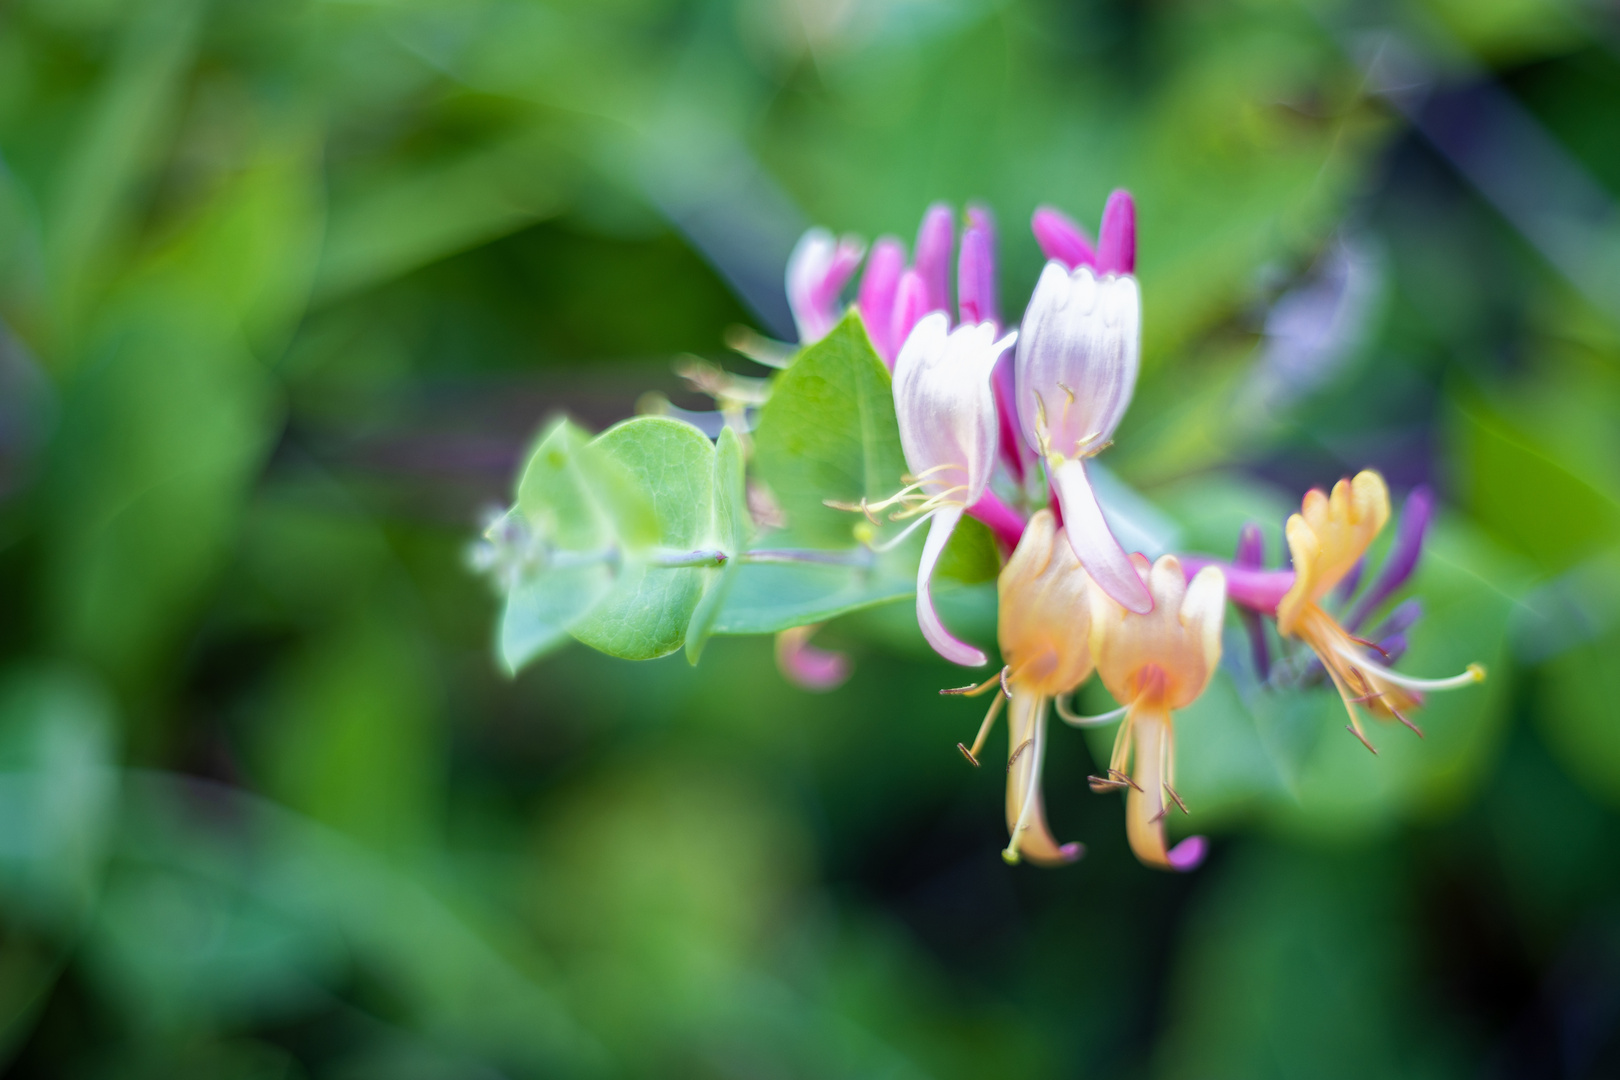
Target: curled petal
{"x":1061,"y":238}
{"x":1403,"y":555}
{"x":1094,"y":542}
{"x":1030,"y":837}
{"x":806,"y":666}
{"x":1203,"y":609}
{"x":935,"y":238}
{"x":1328,"y":537}
{"x":1116,"y":240}
{"x":939,"y":534}
{"x":1147,"y":803}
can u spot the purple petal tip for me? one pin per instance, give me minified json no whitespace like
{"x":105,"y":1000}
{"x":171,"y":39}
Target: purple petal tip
{"x":1072,"y":851}
{"x":1188,"y":854}
{"x":1116,"y":240}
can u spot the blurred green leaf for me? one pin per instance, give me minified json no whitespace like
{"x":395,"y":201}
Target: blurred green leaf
{"x":732,"y":525}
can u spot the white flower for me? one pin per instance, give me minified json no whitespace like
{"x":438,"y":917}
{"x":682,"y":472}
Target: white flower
{"x":1078,"y":354}
{"x":948,"y":429}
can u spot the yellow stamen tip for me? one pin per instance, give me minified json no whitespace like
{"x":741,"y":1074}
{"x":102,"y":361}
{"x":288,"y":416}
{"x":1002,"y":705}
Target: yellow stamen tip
{"x":1010,"y":857}
{"x":1477,"y":671}
{"x":864,"y":532}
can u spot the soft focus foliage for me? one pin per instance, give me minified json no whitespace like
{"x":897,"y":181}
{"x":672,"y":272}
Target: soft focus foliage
{"x":289,"y":291}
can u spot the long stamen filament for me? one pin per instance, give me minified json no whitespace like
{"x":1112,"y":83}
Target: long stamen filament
{"x":890,"y":545}
{"x":1474,"y":674}
{"x":1099,"y":720}
{"x":984,"y":731}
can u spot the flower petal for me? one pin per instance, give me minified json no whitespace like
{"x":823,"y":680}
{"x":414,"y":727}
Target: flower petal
{"x":935,"y":238}
{"x":910,"y":305}
{"x":806,"y":666}
{"x":946,"y":408}
{"x":1094,"y":543}
{"x":939,"y":534}
{"x":976,"y":271}
{"x":879,"y":286}
{"x":1061,"y":238}
{"x":1116,"y":240}
{"x":1026,"y":752}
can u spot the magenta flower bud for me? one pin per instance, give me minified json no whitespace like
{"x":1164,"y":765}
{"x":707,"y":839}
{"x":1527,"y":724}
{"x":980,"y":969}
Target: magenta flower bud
{"x":947,"y":417}
{"x":806,"y":666}
{"x":1251,"y":547}
{"x":935,"y":238}
{"x":910,"y":305}
{"x":1061,"y":238}
{"x":1078,"y":355}
{"x":817,"y":272}
{"x":1116,"y":240}
{"x":1013,"y":451}
{"x":976,"y":270}
{"x":1403,"y":555}
{"x":879,"y":286}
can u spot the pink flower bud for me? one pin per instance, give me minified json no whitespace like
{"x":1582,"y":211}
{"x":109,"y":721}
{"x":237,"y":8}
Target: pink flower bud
{"x":935,"y":238}
{"x":976,"y":270}
{"x":1061,"y":238}
{"x":910,"y":305}
{"x":817,"y":272}
{"x":879,"y":286}
{"x":1116,"y":240}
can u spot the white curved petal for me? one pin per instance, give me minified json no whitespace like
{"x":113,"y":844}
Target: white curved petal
{"x":939,"y":533}
{"x":1093,"y":543}
{"x":1203,"y":611}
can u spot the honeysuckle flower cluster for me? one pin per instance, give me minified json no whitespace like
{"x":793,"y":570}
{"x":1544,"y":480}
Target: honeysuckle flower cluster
{"x":1071,"y":600}
{"x":999,"y":423}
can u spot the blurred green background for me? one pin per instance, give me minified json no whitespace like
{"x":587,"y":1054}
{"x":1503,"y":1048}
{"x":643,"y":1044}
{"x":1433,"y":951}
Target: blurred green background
{"x":287,"y":286}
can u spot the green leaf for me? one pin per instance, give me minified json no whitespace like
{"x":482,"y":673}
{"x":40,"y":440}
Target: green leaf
{"x":540,"y":612}
{"x":829,"y":432}
{"x":646,"y":612}
{"x":580,"y":499}
{"x":731,"y":526}
{"x":768,"y":597}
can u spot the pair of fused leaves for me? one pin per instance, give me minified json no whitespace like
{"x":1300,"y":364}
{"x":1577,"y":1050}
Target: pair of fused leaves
{"x":612,"y":520}
{"x":612,"y":513}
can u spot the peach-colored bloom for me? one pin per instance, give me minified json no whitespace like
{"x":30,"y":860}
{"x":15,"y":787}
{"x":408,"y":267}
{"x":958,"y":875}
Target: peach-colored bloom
{"x":1154,"y":664}
{"x":1043,"y":630}
{"x":1327,"y":538}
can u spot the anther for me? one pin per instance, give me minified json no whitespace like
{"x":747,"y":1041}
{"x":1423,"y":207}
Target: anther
{"x":975,"y":689}
{"x":1352,"y":730}
{"x":1016,"y":754}
{"x":969,"y":755}
{"x":1177,"y":798}
{"x":1005,"y":689}
{"x":1100,"y":784}
{"x":1402,"y":718}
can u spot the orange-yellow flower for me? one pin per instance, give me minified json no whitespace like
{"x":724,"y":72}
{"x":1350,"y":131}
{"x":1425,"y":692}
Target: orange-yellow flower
{"x":1154,"y":664}
{"x":1327,"y":538}
{"x":1043,"y":629}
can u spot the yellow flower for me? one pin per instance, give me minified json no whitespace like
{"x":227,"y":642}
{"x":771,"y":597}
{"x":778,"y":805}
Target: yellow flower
{"x":1154,"y":664}
{"x":1043,"y":630}
{"x":1327,"y":538}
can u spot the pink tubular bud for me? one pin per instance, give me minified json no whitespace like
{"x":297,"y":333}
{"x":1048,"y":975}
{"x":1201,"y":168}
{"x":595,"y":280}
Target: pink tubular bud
{"x":806,"y":666}
{"x":1013,"y":452}
{"x":910,"y":305}
{"x":976,"y":270}
{"x":935,"y":238}
{"x":1116,"y":240}
{"x":879,"y":286}
{"x":1061,"y":238}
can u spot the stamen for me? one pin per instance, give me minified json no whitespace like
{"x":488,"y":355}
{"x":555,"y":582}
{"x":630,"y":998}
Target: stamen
{"x":1005,"y":689}
{"x":890,"y":545}
{"x":984,"y":731}
{"x":1088,"y":721}
{"x":1124,"y":778}
{"x":1177,"y":798}
{"x":1474,"y":674}
{"x":975,"y":690}
{"x":1356,"y":731}
{"x":1402,"y":718}
{"x":1101,"y":784}
{"x":1016,"y":754}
